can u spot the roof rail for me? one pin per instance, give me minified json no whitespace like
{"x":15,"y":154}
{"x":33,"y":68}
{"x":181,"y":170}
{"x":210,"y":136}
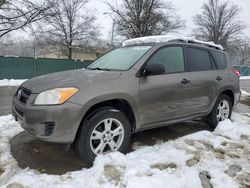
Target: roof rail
{"x":168,"y":38}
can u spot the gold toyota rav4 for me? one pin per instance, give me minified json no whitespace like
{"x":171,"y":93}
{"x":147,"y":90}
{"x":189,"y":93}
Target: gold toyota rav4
{"x":147,"y":83}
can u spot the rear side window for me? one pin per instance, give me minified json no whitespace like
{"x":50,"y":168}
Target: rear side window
{"x":171,"y":58}
{"x":220,"y":59}
{"x":198,"y":60}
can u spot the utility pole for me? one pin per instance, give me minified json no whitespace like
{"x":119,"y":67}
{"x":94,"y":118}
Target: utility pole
{"x":112,"y":34}
{"x":113,"y":29}
{"x":34,"y":50}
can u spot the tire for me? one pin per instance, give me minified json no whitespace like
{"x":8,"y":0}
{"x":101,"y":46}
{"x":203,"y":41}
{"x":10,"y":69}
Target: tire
{"x":212,"y":118}
{"x":88,"y":142}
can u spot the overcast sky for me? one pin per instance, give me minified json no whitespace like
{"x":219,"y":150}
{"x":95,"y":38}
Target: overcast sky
{"x":186,"y":9}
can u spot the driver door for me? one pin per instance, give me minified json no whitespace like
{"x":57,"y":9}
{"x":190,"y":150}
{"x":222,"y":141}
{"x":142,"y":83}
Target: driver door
{"x":165,"y":97}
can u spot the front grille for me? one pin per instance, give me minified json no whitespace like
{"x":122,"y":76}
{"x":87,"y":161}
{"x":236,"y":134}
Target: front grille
{"x":23,"y":94}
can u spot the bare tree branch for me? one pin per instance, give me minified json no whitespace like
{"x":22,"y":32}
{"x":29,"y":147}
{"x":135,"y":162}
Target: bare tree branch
{"x":68,"y":24}
{"x":17,"y":14}
{"x":140,"y":18}
{"x":218,"y":22}
{"x":2,"y":2}
{"x":240,"y":51}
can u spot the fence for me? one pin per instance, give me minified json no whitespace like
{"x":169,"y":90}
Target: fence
{"x":26,"y":67}
{"x":243,"y":70}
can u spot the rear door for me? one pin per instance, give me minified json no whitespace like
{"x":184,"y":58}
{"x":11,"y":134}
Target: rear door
{"x":164,"y":97}
{"x":205,"y":80}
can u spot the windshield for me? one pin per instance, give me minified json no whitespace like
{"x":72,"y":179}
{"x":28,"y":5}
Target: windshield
{"x":119,"y":59}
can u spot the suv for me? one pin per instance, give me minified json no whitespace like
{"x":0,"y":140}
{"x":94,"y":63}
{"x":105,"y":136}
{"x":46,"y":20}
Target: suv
{"x":147,"y":83}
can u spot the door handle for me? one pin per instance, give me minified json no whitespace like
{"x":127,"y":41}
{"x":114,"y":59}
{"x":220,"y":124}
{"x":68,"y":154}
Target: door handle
{"x":185,"y":81}
{"x":219,"y":78}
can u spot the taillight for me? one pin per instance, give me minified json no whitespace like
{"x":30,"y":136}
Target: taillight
{"x":236,"y":72}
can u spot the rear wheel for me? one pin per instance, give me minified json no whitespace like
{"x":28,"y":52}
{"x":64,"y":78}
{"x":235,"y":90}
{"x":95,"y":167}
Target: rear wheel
{"x":222,"y":110}
{"x":106,"y":131}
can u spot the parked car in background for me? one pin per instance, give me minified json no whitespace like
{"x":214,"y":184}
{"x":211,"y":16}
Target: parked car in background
{"x":147,"y":83}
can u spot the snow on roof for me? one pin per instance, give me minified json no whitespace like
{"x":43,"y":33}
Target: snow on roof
{"x":167,"y":38}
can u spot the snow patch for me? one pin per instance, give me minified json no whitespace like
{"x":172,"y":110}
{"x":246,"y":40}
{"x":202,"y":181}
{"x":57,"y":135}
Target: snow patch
{"x":245,"y":77}
{"x":11,"y":82}
{"x":244,"y":93}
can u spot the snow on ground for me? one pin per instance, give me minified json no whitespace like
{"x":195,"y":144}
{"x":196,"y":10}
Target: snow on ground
{"x":245,"y":77}
{"x":244,"y":93}
{"x":11,"y":82}
{"x":221,"y":157}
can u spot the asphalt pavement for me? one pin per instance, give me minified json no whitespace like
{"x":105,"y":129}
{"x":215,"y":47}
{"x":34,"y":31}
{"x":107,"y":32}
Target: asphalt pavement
{"x":6,"y":94}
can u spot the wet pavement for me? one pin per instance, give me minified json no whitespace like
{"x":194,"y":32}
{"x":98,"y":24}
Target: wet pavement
{"x":245,"y":85}
{"x":42,"y":156}
{"x":54,"y":159}
{"x":6,"y":94}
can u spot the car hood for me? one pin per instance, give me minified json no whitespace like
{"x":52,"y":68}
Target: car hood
{"x":72,"y":78}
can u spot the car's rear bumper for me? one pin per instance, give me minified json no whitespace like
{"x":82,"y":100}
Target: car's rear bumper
{"x":237,"y":96}
{"x":54,"y":123}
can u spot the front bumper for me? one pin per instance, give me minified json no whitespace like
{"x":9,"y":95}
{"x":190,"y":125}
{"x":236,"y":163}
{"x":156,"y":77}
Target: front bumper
{"x":54,"y":123}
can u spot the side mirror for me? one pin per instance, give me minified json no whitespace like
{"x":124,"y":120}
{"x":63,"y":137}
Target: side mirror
{"x":153,"y":69}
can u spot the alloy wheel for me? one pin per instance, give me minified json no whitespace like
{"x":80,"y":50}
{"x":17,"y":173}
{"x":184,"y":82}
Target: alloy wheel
{"x":223,"y":110}
{"x":108,"y":135}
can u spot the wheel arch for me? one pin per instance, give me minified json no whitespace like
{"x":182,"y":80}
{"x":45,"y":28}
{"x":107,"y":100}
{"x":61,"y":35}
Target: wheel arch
{"x":119,"y":104}
{"x":229,"y":91}
{"x":230,"y":94}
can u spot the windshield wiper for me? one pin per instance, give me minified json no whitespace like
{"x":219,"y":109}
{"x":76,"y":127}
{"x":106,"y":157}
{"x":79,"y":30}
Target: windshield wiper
{"x":98,"y":68}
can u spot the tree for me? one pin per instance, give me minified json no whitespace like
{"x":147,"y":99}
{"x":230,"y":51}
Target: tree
{"x":68,"y":24}
{"x":241,"y":53}
{"x":244,"y":52}
{"x":17,"y":14}
{"x":140,"y":18}
{"x":218,"y":22}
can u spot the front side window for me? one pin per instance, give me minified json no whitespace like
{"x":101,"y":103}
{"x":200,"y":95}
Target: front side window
{"x":198,"y":60}
{"x":171,"y":58}
{"x":120,"y":59}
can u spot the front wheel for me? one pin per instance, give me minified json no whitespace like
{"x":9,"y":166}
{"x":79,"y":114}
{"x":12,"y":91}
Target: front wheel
{"x":106,"y":131}
{"x":222,"y":110}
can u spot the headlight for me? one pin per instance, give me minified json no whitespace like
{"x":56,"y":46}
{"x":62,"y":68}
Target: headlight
{"x":55,"y":96}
